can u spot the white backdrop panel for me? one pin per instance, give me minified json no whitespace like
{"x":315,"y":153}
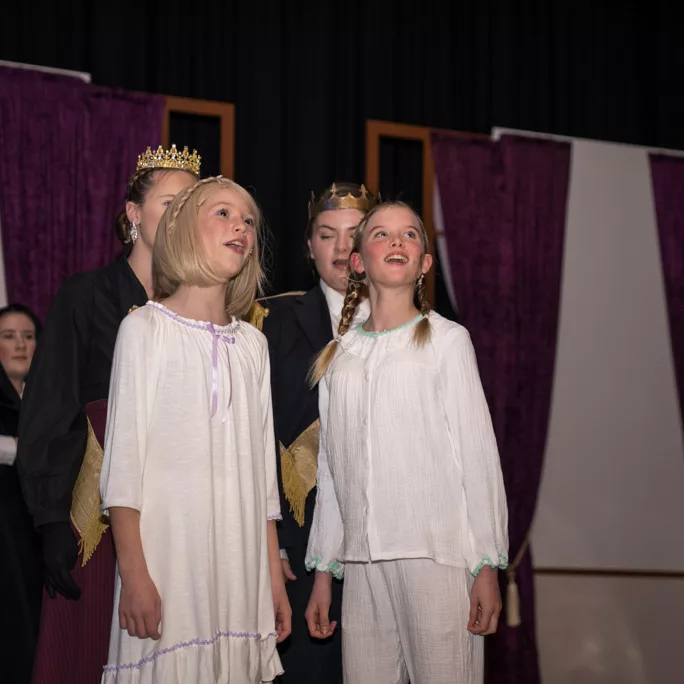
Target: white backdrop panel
{"x":611,"y":494}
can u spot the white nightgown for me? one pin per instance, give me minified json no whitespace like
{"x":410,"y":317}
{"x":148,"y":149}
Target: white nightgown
{"x":189,"y":444}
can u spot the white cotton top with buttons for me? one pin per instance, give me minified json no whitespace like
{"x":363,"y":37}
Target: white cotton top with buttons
{"x":408,"y":465}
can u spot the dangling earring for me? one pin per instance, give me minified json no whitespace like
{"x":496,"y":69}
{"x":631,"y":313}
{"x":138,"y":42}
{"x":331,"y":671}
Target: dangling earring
{"x":419,"y":284}
{"x":135,"y":233}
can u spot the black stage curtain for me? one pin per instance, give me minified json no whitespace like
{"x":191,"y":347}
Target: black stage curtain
{"x":305,"y":75}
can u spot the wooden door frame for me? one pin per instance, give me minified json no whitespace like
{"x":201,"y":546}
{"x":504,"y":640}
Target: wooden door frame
{"x":388,"y":129}
{"x":224,"y":111}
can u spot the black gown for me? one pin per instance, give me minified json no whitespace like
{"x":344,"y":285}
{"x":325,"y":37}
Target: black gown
{"x":70,"y":369}
{"x":21,"y":576}
{"x":297,"y":328}
{"x":69,"y":375}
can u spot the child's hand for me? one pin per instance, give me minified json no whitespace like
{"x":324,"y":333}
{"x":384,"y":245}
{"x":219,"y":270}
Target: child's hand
{"x":318,"y":611}
{"x":485,"y":602}
{"x":140,"y":607}
{"x":282,"y":610}
{"x":288,"y":575}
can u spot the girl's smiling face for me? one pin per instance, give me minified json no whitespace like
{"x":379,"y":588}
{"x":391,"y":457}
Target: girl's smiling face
{"x":392,"y":251}
{"x":226,"y":226}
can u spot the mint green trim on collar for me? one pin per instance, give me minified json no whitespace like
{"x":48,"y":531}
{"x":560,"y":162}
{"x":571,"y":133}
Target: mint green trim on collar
{"x":365,"y":333}
{"x":336,"y":568}
{"x":502,"y":564}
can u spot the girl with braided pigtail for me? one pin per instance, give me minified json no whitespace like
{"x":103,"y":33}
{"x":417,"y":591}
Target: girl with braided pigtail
{"x":353,"y":295}
{"x":411,"y":507}
{"x":297,"y":326}
{"x":189,"y":475}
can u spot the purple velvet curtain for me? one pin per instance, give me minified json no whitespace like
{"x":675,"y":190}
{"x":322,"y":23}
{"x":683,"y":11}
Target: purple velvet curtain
{"x":667,"y":176}
{"x":67,"y":149}
{"x":504,"y":212}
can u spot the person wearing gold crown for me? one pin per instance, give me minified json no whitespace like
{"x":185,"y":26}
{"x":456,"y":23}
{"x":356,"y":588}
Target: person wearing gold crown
{"x":298,"y":325}
{"x":63,"y":423}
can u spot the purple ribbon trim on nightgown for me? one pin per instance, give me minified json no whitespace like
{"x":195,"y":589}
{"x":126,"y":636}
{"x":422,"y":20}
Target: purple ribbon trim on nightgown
{"x":227,"y":339}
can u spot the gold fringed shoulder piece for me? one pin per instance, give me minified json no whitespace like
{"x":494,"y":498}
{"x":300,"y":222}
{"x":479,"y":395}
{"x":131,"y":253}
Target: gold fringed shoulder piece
{"x":298,"y":466}
{"x":292,"y":485}
{"x":258,"y":312}
{"x":256,"y":315}
{"x":85,"y":503}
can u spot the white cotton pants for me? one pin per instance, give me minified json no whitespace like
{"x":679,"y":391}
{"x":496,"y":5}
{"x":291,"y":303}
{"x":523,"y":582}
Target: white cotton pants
{"x":406,"y":619}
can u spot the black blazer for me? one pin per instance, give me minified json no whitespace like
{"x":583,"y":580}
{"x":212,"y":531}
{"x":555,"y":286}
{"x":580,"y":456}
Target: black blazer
{"x":297,"y":327}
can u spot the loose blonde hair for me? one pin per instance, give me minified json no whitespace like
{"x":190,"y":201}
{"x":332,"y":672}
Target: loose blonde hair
{"x":179,"y":257}
{"x":421,"y":333}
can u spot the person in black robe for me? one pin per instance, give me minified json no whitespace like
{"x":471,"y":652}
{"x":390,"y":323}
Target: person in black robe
{"x":63,"y":423}
{"x":298,"y":325}
{"x":21,"y":573}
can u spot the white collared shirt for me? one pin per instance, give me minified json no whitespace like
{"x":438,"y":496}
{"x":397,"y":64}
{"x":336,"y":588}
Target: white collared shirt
{"x":8,"y":450}
{"x":408,"y":465}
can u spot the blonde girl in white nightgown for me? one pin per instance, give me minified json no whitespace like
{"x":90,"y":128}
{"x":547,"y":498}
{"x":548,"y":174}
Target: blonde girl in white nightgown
{"x":189,"y":474}
{"x":410,"y":504}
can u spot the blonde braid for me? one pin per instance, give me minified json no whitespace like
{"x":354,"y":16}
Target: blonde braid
{"x":327,"y":354}
{"x":421,"y":334}
{"x":182,"y":199}
{"x":351,"y":302}
{"x":423,"y":304}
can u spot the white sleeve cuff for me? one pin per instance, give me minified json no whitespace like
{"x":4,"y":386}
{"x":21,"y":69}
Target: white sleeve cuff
{"x":8,"y":450}
{"x":317,"y":564}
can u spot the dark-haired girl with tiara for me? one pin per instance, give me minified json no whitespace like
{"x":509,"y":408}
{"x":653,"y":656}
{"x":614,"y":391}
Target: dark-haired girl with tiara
{"x":411,"y":507}
{"x":62,"y":428}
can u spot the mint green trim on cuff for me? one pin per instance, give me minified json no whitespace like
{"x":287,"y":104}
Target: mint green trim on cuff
{"x":502,"y":564}
{"x":336,"y":568}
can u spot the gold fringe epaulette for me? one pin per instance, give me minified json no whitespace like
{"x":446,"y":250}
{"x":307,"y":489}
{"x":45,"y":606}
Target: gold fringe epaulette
{"x":85,"y":503}
{"x":256,"y":315}
{"x":298,"y":466}
{"x":258,"y":312}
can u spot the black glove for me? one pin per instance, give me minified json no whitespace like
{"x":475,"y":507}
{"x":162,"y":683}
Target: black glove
{"x":60,"y":552}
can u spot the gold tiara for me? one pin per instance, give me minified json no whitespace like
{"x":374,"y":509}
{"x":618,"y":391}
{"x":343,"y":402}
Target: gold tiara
{"x":335,"y":198}
{"x":171,"y":159}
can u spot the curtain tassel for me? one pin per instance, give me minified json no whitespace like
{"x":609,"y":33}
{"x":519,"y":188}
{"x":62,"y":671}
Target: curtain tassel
{"x":512,"y":601}
{"x":513,"y":617}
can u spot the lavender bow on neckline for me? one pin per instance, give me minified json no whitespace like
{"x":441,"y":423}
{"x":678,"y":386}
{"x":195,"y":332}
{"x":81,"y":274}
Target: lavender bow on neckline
{"x":227,"y":339}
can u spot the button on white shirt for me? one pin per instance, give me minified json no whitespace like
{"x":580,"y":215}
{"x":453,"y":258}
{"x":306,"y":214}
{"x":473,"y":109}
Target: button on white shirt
{"x":408,"y":465}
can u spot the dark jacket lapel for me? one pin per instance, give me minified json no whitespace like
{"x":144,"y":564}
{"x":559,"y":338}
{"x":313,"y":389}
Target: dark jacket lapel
{"x":314,"y":317}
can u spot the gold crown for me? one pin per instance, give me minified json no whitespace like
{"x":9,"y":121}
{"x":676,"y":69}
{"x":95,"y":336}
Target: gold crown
{"x":335,"y":198}
{"x":171,"y":159}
